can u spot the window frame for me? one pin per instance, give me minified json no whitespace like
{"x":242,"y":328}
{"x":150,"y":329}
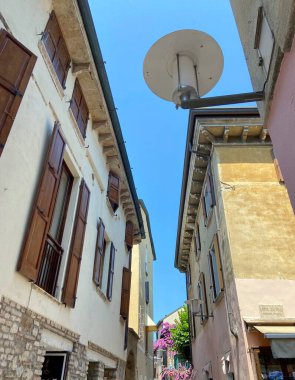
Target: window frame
{"x":202,"y":295}
{"x":208,"y":196}
{"x":100,"y":252}
{"x":198,"y":241}
{"x":111,"y":272}
{"x":215,"y":269}
{"x":77,"y":108}
{"x":55,"y":59}
{"x":129,"y":230}
{"x":114,"y":201}
{"x":147,"y":292}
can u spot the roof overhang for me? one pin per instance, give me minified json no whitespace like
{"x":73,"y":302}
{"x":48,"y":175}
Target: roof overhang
{"x":78,"y":29}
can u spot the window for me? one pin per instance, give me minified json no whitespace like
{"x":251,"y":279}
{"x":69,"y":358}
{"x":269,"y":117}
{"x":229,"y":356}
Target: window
{"x":129,"y":235}
{"x":191,"y":322}
{"x":53,"y":251}
{"x":113,"y":191}
{"x":16,"y":66}
{"x":79,"y":108}
{"x":188,"y":280}
{"x":56,"y":48}
{"x":54,"y":365}
{"x":198,"y":241}
{"x":264,"y":40}
{"x":99,"y":254}
{"x":111,"y":272}
{"x":125,"y":292}
{"x":203,"y":298}
{"x":147,"y":292}
{"x":215,"y":269}
{"x":42,"y":252}
{"x":208,"y":195}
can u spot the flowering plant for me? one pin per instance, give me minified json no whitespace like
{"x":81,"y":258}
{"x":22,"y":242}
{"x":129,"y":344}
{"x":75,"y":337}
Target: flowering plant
{"x":181,"y":373}
{"x":165,"y":340}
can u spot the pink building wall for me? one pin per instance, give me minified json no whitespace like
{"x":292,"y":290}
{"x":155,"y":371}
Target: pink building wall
{"x":212,"y":342}
{"x":281,"y":121}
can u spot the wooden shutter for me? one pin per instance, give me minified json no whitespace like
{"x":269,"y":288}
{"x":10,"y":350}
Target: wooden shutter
{"x":56,"y":48}
{"x":75,"y":256}
{"x":147,"y":292}
{"x":198,"y":240}
{"x":16,"y":66}
{"x":113,"y":189}
{"x":129,"y":235}
{"x":191,"y":322}
{"x":79,"y":108}
{"x":213,"y":199}
{"x":43,"y":207}
{"x":111,"y":272}
{"x":205,"y":304}
{"x":99,"y":253}
{"x":125,"y":292}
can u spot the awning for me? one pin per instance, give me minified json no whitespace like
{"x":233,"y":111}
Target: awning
{"x":274,"y":332}
{"x":150,"y":324}
{"x":282,"y":340}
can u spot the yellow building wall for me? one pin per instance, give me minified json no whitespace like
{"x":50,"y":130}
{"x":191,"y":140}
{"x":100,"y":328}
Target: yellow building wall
{"x":259,"y":218}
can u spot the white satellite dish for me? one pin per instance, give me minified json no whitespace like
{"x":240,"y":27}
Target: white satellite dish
{"x":183,"y":65}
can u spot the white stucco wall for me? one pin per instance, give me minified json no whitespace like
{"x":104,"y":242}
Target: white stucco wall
{"x":93,"y":317}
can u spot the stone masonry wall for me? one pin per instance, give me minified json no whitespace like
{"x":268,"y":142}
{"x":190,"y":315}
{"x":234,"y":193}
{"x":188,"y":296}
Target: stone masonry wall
{"x":21,"y":350}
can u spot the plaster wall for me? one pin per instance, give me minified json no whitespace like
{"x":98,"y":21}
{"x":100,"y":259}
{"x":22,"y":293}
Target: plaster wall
{"x":142,"y":271}
{"x":20,"y":167}
{"x":258,"y":223}
{"x":280,"y":17}
{"x":212,"y":339}
{"x":281,"y":121}
{"x":259,"y":216}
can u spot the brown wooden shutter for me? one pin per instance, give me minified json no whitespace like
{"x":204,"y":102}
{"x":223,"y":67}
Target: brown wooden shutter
{"x":43,"y":207}
{"x":79,"y":108}
{"x":111,"y":272}
{"x":125,"y":292}
{"x":56,"y":48}
{"x":75,"y":256}
{"x":16,"y":66}
{"x":113,"y":189}
{"x":147,"y":292}
{"x":99,"y":252}
{"x":129,"y":235}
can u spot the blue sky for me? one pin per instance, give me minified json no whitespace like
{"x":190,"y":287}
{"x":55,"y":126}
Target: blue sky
{"x":154,"y":131}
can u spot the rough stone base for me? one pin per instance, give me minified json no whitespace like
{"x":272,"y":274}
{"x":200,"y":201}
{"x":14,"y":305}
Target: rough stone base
{"x":21,"y":350}
{"x":21,"y":353}
{"x":95,"y":371}
{"x":78,"y":363}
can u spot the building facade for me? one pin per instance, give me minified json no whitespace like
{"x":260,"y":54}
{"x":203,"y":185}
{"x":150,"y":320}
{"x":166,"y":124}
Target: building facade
{"x":266,"y":31}
{"x":235,"y":243}
{"x":64,"y":172}
{"x":141,"y":325}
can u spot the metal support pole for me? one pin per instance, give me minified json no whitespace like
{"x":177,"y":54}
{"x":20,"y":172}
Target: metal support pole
{"x":223,"y":100}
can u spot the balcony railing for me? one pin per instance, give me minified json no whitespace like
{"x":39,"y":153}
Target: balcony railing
{"x":50,"y":265}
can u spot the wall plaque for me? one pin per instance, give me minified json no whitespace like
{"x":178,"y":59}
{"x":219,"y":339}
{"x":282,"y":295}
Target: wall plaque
{"x":271,"y":311}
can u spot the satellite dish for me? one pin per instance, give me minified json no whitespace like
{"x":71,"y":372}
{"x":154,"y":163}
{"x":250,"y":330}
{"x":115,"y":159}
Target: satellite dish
{"x":183,"y":65}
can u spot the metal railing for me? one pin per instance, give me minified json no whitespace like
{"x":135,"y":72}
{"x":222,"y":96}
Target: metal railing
{"x":50,"y":265}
